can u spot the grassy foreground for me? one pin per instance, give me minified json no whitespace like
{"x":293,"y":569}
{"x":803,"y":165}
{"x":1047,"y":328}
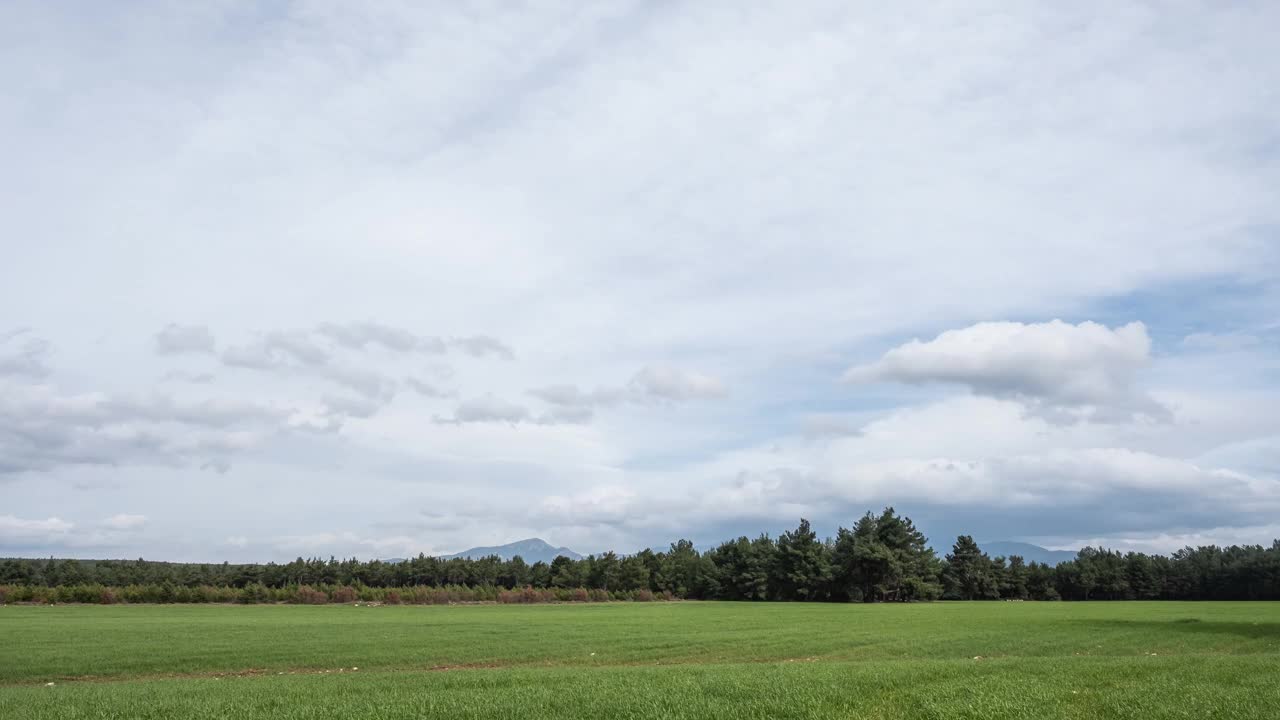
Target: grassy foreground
{"x":661,"y":660}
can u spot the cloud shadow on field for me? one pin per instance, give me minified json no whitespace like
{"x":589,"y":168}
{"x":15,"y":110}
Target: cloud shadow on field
{"x":1194,"y":626}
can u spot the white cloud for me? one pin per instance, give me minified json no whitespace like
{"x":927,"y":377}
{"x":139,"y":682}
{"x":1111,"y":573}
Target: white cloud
{"x":778,"y":192}
{"x":18,"y":530}
{"x":1053,"y":365}
{"x":125,"y":521}
{"x":1169,"y":542}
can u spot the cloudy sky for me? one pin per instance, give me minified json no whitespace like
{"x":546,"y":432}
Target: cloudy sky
{"x":313,"y":278}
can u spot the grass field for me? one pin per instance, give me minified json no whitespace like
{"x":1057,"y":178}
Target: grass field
{"x":644,"y":660}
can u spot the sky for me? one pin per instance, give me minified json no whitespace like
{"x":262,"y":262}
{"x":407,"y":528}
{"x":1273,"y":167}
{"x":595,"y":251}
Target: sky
{"x":375,"y":279}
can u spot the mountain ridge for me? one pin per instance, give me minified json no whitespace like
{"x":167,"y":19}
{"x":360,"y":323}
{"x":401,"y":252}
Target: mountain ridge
{"x":1028,"y":552}
{"x":531,"y":550}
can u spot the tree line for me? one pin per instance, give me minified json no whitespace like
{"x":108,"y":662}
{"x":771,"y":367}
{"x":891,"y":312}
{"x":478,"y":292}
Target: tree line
{"x":882,"y":558}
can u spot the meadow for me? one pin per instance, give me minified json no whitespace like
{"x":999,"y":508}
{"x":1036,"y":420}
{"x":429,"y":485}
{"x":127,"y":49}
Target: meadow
{"x":643,"y":660}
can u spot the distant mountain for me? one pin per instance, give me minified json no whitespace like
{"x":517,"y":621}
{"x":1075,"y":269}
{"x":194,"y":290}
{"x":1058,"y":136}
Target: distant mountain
{"x":1029,"y":552}
{"x":531,"y":550}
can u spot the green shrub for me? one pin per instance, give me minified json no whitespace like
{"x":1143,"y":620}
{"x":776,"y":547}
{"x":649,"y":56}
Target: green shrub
{"x":254,"y":593}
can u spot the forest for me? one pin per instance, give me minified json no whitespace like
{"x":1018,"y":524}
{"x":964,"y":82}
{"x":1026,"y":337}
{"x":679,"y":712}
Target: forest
{"x":882,"y":558}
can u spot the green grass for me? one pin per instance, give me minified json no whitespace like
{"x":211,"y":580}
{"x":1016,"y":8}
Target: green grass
{"x":660,"y":660}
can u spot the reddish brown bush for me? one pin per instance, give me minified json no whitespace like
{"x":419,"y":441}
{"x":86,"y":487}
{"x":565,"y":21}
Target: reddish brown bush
{"x":308,"y":595}
{"x":391,"y":598}
{"x":536,"y":595}
{"x":344,"y":594}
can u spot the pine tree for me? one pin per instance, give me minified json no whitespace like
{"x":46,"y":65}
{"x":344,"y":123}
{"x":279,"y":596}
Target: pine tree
{"x":968,"y":574}
{"x":801,"y":568}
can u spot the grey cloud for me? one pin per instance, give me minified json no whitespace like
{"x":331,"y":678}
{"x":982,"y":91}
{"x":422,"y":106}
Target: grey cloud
{"x":40,"y":448}
{"x":299,"y":352}
{"x":41,"y":430}
{"x":275,"y":349}
{"x":357,"y":336}
{"x":218,"y":465}
{"x":482,"y":345}
{"x":296,"y":353}
{"x":24,"y":357}
{"x":195,"y":378}
{"x":566,"y":416}
{"x":53,"y":532}
{"x":1140,"y":143}
{"x":1105,"y":488}
{"x":253,"y":357}
{"x":426,"y":389}
{"x":176,"y":339}
{"x":358,"y":407}
{"x":664,"y":382}
{"x":827,"y":425}
{"x":207,"y":413}
{"x":366,"y":382}
{"x":297,"y":345}
{"x":487,"y":409}
{"x":427,"y":522}
{"x":572,"y":405}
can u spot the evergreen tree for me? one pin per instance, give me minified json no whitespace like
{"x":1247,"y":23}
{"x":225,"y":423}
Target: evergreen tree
{"x":801,"y":568}
{"x":1016,"y":579}
{"x":968,"y":574}
{"x":742,"y":568}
